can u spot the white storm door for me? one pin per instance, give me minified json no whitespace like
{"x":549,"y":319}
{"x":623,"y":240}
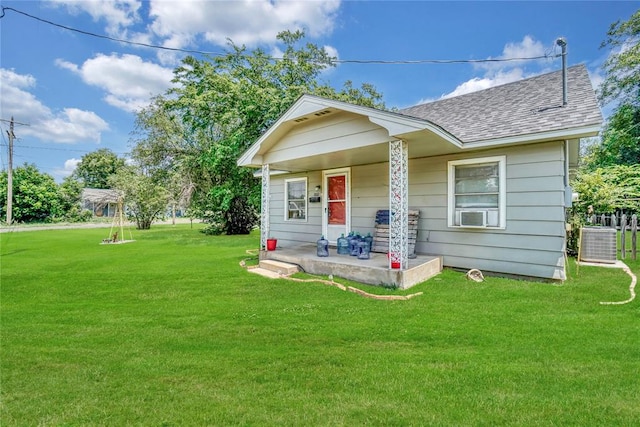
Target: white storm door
{"x":336,"y":217}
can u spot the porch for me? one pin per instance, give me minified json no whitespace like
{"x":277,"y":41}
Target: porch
{"x":373,"y":271}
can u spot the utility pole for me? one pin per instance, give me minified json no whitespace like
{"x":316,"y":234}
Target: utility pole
{"x":10,"y":174}
{"x":12,"y":136}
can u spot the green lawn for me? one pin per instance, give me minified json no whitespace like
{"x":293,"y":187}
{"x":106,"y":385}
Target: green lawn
{"x":171,"y":331}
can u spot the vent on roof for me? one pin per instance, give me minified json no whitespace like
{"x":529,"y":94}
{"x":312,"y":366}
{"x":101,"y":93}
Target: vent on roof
{"x":598,"y":244}
{"x":301,"y":119}
{"x":322,"y":113}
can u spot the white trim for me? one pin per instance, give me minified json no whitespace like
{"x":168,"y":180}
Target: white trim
{"x":325,"y":207}
{"x":502,"y":191}
{"x":286,"y":199}
{"x":308,"y":104}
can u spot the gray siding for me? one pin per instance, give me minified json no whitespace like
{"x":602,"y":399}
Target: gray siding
{"x":294,"y":233}
{"x":335,"y":133}
{"x":531,"y":245}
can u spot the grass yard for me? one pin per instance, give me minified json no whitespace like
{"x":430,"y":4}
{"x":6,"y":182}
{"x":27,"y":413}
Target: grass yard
{"x":170,"y":331}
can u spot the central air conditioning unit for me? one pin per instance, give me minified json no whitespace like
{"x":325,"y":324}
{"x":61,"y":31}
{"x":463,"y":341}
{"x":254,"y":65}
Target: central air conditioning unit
{"x":598,"y":244}
{"x":473,"y":218}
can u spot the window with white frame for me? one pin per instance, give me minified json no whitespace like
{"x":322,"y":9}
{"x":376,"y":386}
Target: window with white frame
{"x":477,"y":192}
{"x":295,"y":199}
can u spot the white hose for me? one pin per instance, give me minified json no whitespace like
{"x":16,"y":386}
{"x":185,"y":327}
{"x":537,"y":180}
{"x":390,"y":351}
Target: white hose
{"x":632,"y":289}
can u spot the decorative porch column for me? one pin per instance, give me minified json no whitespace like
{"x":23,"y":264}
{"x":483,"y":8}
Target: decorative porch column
{"x":398,"y":204}
{"x":264,"y":208}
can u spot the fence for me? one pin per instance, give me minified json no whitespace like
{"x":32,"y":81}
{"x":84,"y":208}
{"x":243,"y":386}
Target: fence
{"x":623,"y":223}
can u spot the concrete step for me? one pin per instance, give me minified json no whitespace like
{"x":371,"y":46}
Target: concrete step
{"x":266,"y":273}
{"x":278,"y":267}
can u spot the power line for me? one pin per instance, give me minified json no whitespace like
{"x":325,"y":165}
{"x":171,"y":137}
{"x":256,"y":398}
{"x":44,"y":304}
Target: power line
{"x":102,"y":36}
{"x":333,"y":60}
{"x":58,"y":149}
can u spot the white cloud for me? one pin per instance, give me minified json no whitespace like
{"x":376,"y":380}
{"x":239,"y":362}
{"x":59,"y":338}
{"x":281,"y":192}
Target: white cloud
{"x":477,"y":83}
{"x":245,"y":22}
{"x":499,"y":73}
{"x":596,"y":77}
{"x":67,"y":169}
{"x":129,"y":82}
{"x":527,"y":48}
{"x":70,"y":125}
{"x":331,"y":51}
{"x":118,"y":14}
{"x":70,"y":164}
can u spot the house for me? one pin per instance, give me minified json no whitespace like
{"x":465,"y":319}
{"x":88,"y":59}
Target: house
{"x":488,"y":172}
{"x":101,"y":202}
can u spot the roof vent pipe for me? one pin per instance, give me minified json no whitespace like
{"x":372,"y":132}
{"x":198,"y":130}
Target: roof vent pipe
{"x":563,"y":44}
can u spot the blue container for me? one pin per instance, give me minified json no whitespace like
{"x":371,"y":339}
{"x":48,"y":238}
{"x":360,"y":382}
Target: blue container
{"x":350,"y":238}
{"x":343,"y":245}
{"x":353,"y":245}
{"x":363,"y":249}
{"x":369,"y":240}
{"x":322,"y":247}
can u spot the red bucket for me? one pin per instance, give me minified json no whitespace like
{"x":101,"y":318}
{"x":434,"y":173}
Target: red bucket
{"x":271,"y":244}
{"x":394,"y":264}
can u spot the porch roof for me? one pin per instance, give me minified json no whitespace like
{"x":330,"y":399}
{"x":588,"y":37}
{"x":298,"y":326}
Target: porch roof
{"x":522,"y":112}
{"x":330,"y":151}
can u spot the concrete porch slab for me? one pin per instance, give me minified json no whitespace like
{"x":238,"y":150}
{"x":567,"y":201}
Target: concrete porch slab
{"x":373,"y":271}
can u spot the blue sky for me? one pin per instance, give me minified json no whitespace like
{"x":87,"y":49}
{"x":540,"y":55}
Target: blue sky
{"x":79,"y":93}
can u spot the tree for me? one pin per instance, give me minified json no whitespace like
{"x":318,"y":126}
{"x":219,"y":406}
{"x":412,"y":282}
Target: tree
{"x":621,"y":136}
{"x":70,"y":195}
{"x":223,"y":105}
{"x":35,"y":195}
{"x":620,"y":140}
{"x":609,"y":189}
{"x":96,"y":167}
{"x":622,"y":68}
{"x":144,"y":199}
{"x":160,"y":149}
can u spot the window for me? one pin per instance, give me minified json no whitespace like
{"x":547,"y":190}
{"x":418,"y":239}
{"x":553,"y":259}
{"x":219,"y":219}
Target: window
{"x":477,"y":192}
{"x":295,"y":199}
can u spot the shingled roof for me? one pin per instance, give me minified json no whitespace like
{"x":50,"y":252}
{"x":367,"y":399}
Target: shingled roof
{"x":99,"y":195}
{"x":524,"y":107}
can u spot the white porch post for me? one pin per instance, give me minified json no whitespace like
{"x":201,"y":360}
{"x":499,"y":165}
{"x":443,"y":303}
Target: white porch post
{"x":264,"y":208}
{"x":398,"y":204}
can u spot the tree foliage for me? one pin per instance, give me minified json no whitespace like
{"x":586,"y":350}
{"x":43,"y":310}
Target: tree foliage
{"x":162,"y":152}
{"x":621,"y":135}
{"x":96,"y":167}
{"x":70,"y":196}
{"x":219,"y":108}
{"x":145,"y":200}
{"x":35,"y":195}
{"x":622,"y":68}
{"x":609,"y":189}
{"x":620,"y":140}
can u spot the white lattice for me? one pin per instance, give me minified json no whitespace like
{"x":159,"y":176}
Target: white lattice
{"x":398,"y":204}
{"x":264,"y":208}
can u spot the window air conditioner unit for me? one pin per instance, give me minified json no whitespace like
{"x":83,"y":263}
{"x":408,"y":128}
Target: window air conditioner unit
{"x":473,"y":218}
{"x":598,"y":244}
